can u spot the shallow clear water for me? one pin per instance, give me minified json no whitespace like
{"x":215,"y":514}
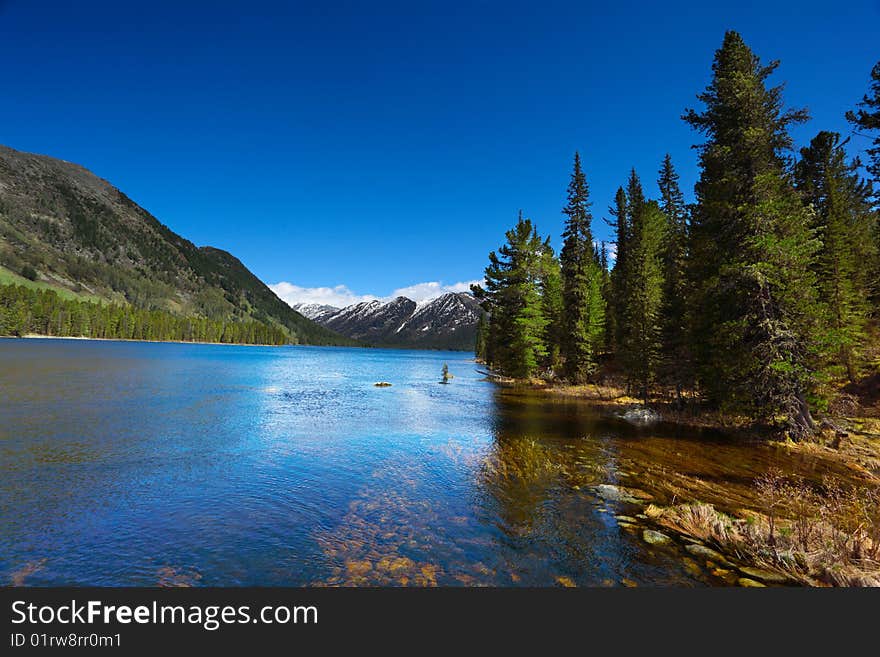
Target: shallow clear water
{"x":145,"y":464}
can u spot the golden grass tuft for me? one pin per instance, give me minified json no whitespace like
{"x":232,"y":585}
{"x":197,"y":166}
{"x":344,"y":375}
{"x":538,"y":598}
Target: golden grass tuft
{"x":827,"y":537}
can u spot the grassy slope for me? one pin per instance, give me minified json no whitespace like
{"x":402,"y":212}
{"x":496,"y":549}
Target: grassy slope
{"x":11,"y":278}
{"x":78,"y":231}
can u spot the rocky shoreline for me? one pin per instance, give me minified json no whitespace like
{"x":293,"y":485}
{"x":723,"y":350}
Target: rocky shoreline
{"x":756,"y":535}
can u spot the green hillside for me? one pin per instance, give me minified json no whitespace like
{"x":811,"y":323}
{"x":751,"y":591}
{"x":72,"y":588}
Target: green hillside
{"x":65,"y":229}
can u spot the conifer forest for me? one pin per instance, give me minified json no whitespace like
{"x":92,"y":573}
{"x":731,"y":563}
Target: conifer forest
{"x":758,"y":298}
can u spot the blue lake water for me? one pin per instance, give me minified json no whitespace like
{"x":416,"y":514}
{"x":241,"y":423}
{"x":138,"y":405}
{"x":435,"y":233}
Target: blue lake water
{"x":180,"y":464}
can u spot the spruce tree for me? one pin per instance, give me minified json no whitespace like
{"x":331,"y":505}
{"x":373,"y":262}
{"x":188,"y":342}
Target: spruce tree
{"x":843,"y":221}
{"x":754,"y":296}
{"x":512,"y":297}
{"x":867,"y":119}
{"x":676,"y":365}
{"x":630,"y":205}
{"x":551,"y":301}
{"x":616,"y":315}
{"x":641,"y":346}
{"x":607,"y":298}
{"x":635,"y":196}
{"x":481,"y":339}
{"x":583,"y":305}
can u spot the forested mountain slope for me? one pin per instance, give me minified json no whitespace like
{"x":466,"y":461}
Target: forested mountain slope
{"x":62,"y":225}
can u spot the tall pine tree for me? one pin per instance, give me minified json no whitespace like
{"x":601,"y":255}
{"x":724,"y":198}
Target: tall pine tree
{"x":515,"y":344}
{"x":640,"y":346}
{"x":582,"y":300}
{"x":867,"y":119}
{"x":608,"y":332}
{"x":615,"y":317}
{"x":676,"y":362}
{"x":629,"y":206}
{"x":550,"y":278}
{"x":843,"y":220}
{"x":751,"y":248}
{"x":481,"y":338}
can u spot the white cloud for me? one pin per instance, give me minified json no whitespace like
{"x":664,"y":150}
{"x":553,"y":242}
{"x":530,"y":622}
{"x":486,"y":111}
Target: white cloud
{"x":421,"y":292}
{"x":610,"y":249}
{"x":338,"y":296}
{"x":341,"y":296}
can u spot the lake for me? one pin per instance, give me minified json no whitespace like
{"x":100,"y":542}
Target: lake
{"x":140,"y":464}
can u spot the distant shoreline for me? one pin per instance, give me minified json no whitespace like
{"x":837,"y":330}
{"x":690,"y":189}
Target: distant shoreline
{"x":31,"y":336}
{"x":37,"y":336}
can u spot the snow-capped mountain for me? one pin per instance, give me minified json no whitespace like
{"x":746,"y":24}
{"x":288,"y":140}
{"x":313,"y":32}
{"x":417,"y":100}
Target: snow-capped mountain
{"x":447,"y":322}
{"x":313,"y":310}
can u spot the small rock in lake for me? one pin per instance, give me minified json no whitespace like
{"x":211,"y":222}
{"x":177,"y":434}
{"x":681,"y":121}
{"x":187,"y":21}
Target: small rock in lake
{"x":382,"y":384}
{"x":628,"y":519}
{"x":692,"y":566}
{"x":642,"y":416}
{"x":728,"y":576}
{"x":654,"y":537}
{"x":763,"y":575}
{"x":750,"y":583}
{"x":707,"y":553}
{"x":613,"y":493}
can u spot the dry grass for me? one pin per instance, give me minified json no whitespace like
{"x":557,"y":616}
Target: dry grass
{"x":522,"y":461}
{"x":825,"y":537}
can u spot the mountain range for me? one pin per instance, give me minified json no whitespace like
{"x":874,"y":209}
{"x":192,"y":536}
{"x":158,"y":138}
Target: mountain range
{"x":447,"y":322}
{"x":64,"y":228}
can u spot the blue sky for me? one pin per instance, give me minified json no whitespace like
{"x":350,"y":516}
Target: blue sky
{"x":376,"y":146}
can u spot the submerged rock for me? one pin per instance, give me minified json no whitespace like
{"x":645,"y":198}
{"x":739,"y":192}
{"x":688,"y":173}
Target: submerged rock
{"x":654,"y":537}
{"x":707,"y":553}
{"x":729,"y":576}
{"x":692,"y":566}
{"x":763,"y":575}
{"x":612,"y":493}
{"x":628,"y":519}
{"x":642,"y":416}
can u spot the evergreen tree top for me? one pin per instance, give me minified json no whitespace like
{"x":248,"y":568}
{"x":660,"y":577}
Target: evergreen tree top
{"x":671,"y":197}
{"x":868,"y":114}
{"x":578,"y":235}
{"x":618,"y":211}
{"x":823,"y":166}
{"x":741,"y":113}
{"x":578,"y":207}
{"x":635,"y":195}
{"x":867,"y":117}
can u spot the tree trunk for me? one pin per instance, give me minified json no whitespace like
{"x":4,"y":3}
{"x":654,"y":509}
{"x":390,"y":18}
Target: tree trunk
{"x":850,"y":370}
{"x":800,"y":420}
